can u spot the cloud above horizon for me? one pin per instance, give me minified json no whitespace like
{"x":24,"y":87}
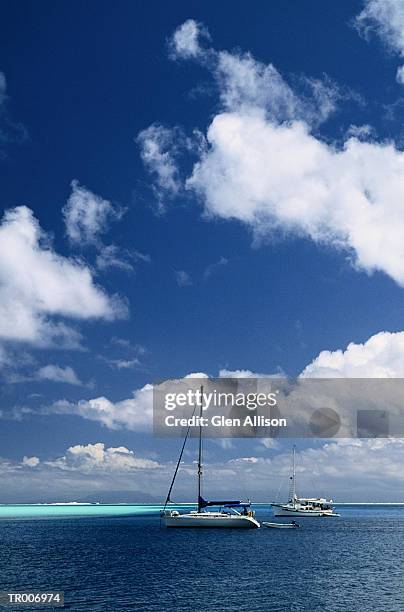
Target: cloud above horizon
{"x":265,"y":164}
{"x":381,"y":356}
{"x":87,"y":215}
{"x":385,"y":18}
{"x":344,"y":469}
{"x":84,"y":470}
{"x":40,"y":288}
{"x":96,"y":457}
{"x":135,"y":413}
{"x":58,"y":374}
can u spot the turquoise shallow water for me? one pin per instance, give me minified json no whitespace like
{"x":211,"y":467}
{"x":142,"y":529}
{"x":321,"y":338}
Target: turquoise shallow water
{"x":16,"y":511}
{"x":73,"y":510}
{"x":118,"y":558}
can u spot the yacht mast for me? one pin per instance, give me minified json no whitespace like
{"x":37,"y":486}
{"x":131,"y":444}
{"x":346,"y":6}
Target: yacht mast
{"x":294,"y":475}
{"x":200,"y":454}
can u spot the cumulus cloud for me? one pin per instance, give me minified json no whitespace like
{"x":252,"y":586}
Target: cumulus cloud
{"x":38,"y":286}
{"x":386,"y":19}
{"x":55,"y":373}
{"x":87,"y":215}
{"x":185,"y":42}
{"x":94,"y":457}
{"x":280,"y":179}
{"x":158,"y":152}
{"x":265,"y":165}
{"x":30,"y":461}
{"x":134,"y":413}
{"x":161,"y":150}
{"x":381,"y":356}
{"x":245,"y":83}
{"x":345,"y":469}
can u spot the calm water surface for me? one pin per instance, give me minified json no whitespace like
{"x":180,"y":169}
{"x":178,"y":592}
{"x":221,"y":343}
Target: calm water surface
{"x":120,"y":563}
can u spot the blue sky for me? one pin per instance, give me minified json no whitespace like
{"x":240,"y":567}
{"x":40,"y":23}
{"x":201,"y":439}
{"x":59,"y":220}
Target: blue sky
{"x":195,"y":207}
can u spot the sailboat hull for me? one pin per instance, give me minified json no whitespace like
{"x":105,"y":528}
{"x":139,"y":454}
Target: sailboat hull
{"x":281,"y":511}
{"x":212,"y":520}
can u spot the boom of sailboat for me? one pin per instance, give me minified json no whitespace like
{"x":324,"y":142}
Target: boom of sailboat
{"x":234,"y":513}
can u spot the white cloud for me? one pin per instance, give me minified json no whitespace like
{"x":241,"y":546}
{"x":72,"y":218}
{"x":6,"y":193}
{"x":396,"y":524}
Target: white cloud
{"x":183,"y":278}
{"x":345,"y":470}
{"x":244,"y":460}
{"x":124,"y":364}
{"x":37,"y":285}
{"x":112,"y":256}
{"x":87,"y":215}
{"x":265,"y":166}
{"x":185,"y":42}
{"x":30,"y":461}
{"x":386,"y":19}
{"x":224,"y":373}
{"x":158,"y":152}
{"x":245,"y":83}
{"x":161,"y":149}
{"x":361,"y":132}
{"x":57,"y":373}
{"x":381,"y":356}
{"x":134,"y":413}
{"x":280,"y":179}
{"x":94,"y":457}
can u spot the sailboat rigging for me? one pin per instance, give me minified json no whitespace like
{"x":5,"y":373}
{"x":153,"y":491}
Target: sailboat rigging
{"x":303,"y":506}
{"x":230,"y":514}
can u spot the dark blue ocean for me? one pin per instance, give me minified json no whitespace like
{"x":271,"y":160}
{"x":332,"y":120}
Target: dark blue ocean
{"x":355,"y":563}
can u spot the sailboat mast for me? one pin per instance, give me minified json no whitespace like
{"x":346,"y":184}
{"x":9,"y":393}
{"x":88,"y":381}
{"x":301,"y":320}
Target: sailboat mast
{"x":200,"y":454}
{"x":294,"y":474}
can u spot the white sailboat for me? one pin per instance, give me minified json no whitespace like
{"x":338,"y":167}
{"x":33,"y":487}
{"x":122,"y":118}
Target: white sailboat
{"x":303,"y":506}
{"x":234,"y":514}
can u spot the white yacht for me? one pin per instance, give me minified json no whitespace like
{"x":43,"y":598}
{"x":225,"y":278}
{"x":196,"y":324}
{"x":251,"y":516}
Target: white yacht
{"x":227,"y":516}
{"x":303,"y":506}
{"x":232,"y":514}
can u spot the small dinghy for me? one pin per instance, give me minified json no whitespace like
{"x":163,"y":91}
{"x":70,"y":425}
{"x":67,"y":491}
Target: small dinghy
{"x":292,"y":525}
